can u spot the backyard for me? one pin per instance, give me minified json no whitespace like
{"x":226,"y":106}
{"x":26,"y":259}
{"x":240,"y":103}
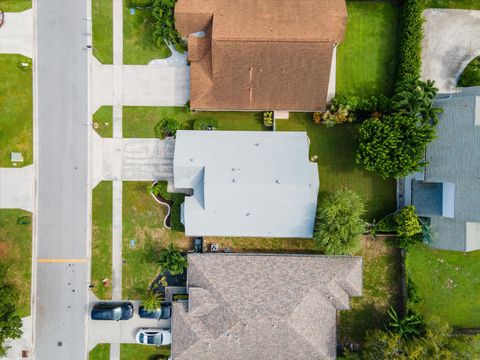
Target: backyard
{"x":16,"y":108}
{"x":102,"y":239}
{"x":381,"y":288}
{"x":447,"y":283}
{"x":16,"y":254}
{"x":366,"y":59}
{"x":138,"y":44}
{"x":102,"y":28}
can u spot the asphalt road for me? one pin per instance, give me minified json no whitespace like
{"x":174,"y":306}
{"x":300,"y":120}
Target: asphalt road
{"x":62,"y":205}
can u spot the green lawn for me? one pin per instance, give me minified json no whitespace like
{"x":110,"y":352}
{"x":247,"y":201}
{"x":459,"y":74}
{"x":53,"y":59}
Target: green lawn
{"x":140,"y":121}
{"x":16,"y":109}
{"x":103,"y":121}
{"x":102,"y":239}
{"x":138,"y":45}
{"x":143,"y":222}
{"x":471,"y":74}
{"x":142,"y":352}
{"x":454,"y":4}
{"x":381,"y":288}
{"x":16,"y":254}
{"x":366,"y":58}
{"x":448,"y":283}
{"x":336,"y":149}
{"x":102,"y":27}
{"x":15,"y":5}
{"x":100,"y":352}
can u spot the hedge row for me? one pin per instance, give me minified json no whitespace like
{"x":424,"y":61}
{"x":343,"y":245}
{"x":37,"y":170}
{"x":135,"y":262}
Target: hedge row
{"x":177,"y":200}
{"x":411,"y":35}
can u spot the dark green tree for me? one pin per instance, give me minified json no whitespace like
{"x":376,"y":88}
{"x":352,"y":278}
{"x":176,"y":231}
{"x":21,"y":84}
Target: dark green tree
{"x":164,"y":24}
{"x":394,"y":146}
{"x":339,"y":223}
{"x":10,"y":322}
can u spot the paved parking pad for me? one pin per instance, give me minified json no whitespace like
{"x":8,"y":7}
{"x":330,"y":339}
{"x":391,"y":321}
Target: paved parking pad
{"x":120,"y":332}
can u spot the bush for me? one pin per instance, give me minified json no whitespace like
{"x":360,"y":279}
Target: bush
{"x":339,"y":223}
{"x":172,"y":260}
{"x":471,"y":74}
{"x":152,"y":301}
{"x":205,"y":124}
{"x":407,"y":222}
{"x":411,"y":35}
{"x":139,"y":4}
{"x":164,"y":24}
{"x":24,"y":220}
{"x":166,"y":128}
{"x":268,"y":118}
{"x":387,"y":224}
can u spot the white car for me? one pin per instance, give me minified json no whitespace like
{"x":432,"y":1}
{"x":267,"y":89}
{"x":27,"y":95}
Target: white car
{"x":157,"y":337}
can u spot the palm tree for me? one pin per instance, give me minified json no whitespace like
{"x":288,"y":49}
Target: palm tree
{"x":172,"y":260}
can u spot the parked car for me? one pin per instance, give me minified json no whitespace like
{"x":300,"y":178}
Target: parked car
{"x":112,"y":311}
{"x":163,"y":312}
{"x":157,"y":337}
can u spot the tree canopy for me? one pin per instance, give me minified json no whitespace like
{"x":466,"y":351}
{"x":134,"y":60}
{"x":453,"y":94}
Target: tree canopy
{"x":407,"y":222}
{"x":339,"y":224}
{"x":10,"y":322}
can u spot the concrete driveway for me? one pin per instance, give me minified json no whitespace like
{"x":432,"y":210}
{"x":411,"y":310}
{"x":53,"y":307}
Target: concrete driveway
{"x":16,"y":188}
{"x":132,"y":159}
{"x":451,"y":41}
{"x":16,"y":35}
{"x":124,"y":331}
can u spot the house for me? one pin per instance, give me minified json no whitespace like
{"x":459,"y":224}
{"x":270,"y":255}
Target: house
{"x":246,"y":183}
{"x":261,"y":54}
{"x":448,"y":190}
{"x":257,"y":307}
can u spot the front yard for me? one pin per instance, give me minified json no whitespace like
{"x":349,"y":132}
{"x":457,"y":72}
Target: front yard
{"x":102,"y":29}
{"x":448,"y":283}
{"x":15,"y":5}
{"x":16,"y":254}
{"x":366,"y":60}
{"x":16,"y":109}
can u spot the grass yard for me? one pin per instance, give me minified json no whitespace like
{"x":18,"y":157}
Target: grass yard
{"x":16,"y":110}
{"x":454,"y":4}
{"x":140,"y":121}
{"x":138,"y":45}
{"x":336,"y":150}
{"x":16,"y":254}
{"x":448,"y":283}
{"x":103,"y":118}
{"x":366,"y":60}
{"x":143,"y":222}
{"x":471,"y":74}
{"x":102,"y":239}
{"x":142,"y":352}
{"x":15,"y":5}
{"x":102,"y":28}
{"x":381,"y":288}
{"x":100,"y":352}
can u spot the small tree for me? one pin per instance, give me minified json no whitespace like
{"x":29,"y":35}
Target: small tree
{"x":152,"y":300}
{"x":407,"y":222}
{"x":10,"y":322}
{"x":339,"y":223}
{"x":167,"y":127}
{"x":172,"y":260}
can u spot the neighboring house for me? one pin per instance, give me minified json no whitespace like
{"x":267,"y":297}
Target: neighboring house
{"x":261,"y":54}
{"x":448,"y":191}
{"x":246,"y":183}
{"x":258,"y":307}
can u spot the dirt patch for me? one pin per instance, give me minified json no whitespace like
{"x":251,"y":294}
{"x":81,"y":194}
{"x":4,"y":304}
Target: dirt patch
{"x":4,"y":250}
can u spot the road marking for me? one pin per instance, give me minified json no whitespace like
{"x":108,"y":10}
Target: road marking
{"x":62,"y":260}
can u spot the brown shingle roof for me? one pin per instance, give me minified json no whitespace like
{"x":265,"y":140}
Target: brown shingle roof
{"x":246,"y":306}
{"x":264,"y":54}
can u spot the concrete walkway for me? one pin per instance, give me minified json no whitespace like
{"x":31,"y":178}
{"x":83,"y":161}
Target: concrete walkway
{"x":16,"y":188}
{"x":16,"y":35}
{"x":451,"y":41}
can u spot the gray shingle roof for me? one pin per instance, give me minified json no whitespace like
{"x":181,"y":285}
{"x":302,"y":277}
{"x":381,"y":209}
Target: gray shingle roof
{"x":455,"y":157}
{"x":246,"y":306}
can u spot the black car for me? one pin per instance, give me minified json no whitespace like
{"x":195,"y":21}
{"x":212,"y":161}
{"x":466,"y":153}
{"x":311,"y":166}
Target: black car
{"x":112,"y":311}
{"x":164,"y":312}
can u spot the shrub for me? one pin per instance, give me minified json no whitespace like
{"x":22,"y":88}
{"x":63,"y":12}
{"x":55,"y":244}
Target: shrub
{"x":25,"y":64}
{"x":408,"y":326}
{"x":153,"y":300}
{"x":167,"y":127}
{"x":205,"y":124}
{"x":410,"y":39}
{"x":177,"y":199}
{"x":355,"y":104}
{"x":387,"y":224}
{"x":268,"y":118}
{"x":339,"y":223}
{"x":24,"y":220}
{"x":11,"y":323}
{"x":172,"y":260}
{"x":164,"y":24}
{"x":139,"y":4}
{"x":471,"y":74}
{"x":407,"y":222}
